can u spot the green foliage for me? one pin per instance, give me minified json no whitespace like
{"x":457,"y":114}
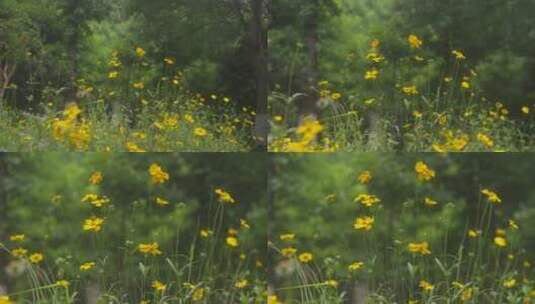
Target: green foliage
{"x":373,"y":113}
{"x":44,"y":202}
{"x":17,"y":33}
{"x":314,"y":199}
{"x":86,"y":52}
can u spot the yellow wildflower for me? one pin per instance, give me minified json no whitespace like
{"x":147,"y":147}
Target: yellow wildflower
{"x":364,"y":177}
{"x":430,"y":202}
{"x":367,"y":200}
{"x":331,"y":283}
{"x":410,"y":90}
{"x":96,"y":178}
{"x":509,"y":283}
{"x":466,"y":295}
{"x":205,"y":233}
{"x":458,"y":55}
{"x":241,"y":284}
{"x":71,"y":111}
{"x":336,"y":96}
{"x":308,"y":129}
{"x":87,"y":266}
{"x":95,"y":200}
{"x":5,"y":300}
{"x":414,"y":41}
{"x":244,"y":224}
{"x":288,"y":251}
{"x":36,"y":258}
{"x":17,"y":237}
{"x":426,"y":286}
{"x":364,"y":223}
{"x":272,"y":299}
{"x":224,"y":196}
{"x":305,"y":257}
{"x":371,"y":74}
{"x":492,"y":197}
{"x":150,"y":248}
{"x":287,"y":236}
{"x":19,"y":252}
{"x":424,"y":173}
{"x":169,"y":60}
{"x":198,"y":294}
{"x":485,"y":139}
{"x":113,"y":74}
{"x":161,"y":202}
{"x":355,"y":266}
{"x":63,"y":283}
{"x":140,"y":52}
{"x":138,"y":85}
{"x":232,"y":241}
{"x":189,"y":119}
{"x":474,"y":233}
{"x":158,"y":175}
{"x":158,"y":286}
{"x":375,"y":57}
{"x":500,"y":241}
{"x":200,"y":132}
{"x":513,"y":225}
{"x":421,"y":248}
{"x":93,"y":224}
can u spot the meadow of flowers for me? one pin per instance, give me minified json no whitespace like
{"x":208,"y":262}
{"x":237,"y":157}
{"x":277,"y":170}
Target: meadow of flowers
{"x":408,"y":102}
{"x":386,"y":81}
{"x":131,"y":109}
{"x":98,"y":245}
{"x":401,"y":235}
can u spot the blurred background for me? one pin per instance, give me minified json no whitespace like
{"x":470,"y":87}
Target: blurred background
{"x":495,"y":36}
{"x":50,"y":45}
{"x":41,"y":198}
{"x":313,"y":198}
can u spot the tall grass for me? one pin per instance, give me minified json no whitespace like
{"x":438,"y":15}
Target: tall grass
{"x":477,"y":259}
{"x":411,"y":102}
{"x":137,"y":105}
{"x":196,"y":265}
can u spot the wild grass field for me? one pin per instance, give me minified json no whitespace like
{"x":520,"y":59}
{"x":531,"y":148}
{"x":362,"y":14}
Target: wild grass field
{"x":404,"y":108}
{"x":378,"y":228}
{"x":128,"y":113}
{"x":131,"y":76}
{"x":121,"y":229}
{"x":411,"y":75}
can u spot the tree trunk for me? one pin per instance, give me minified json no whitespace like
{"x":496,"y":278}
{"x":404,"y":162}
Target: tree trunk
{"x":359,"y":294}
{"x":3,"y":89}
{"x":72,"y":43}
{"x":92,"y":293}
{"x":72,"y":92}
{"x":259,"y":45}
{"x":4,"y":284}
{"x":308,"y":106}
{"x":375,"y":133}
{"x":271,"y":280}
{"x":6,"y":73}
